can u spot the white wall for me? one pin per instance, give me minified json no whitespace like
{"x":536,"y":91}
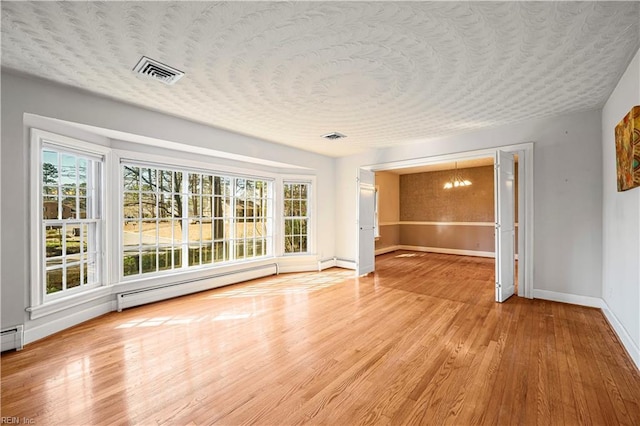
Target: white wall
{"x":621,"y":224}
{"x":567,"y":195}
{"x":22,"y":95}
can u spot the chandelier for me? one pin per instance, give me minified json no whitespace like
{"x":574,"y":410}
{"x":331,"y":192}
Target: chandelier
{"x":456,"y":181}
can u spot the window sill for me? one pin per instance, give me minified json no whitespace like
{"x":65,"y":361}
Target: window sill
{"x":66,"y":303}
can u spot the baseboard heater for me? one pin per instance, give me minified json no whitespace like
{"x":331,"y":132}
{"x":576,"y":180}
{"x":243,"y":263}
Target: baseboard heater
{"x":132,"y":298}
{"x":12,"y":338}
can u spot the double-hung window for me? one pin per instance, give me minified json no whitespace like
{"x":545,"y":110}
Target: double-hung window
{"x":69,"y":215}
{"x":296,"y":217}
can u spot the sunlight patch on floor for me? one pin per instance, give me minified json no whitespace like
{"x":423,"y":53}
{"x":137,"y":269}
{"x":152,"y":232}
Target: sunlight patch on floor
{"x":285,"y":284}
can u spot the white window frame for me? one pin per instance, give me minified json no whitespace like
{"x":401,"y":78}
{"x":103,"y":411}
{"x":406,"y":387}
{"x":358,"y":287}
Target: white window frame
{"x":311,"y":214}
{"x":186,"y":166}
{"x":40,"y":139}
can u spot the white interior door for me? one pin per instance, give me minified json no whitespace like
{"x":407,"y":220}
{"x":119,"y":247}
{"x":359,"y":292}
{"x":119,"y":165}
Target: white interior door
{"x":505,"y":226}
{"x":366,"y":222}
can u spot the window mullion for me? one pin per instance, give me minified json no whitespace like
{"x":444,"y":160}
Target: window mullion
{"x":184,"y":219}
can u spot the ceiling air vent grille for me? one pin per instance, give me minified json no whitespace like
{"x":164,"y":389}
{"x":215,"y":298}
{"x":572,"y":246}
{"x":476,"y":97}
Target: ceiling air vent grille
{"x":157,"y":70}
{"x":334,"y":135}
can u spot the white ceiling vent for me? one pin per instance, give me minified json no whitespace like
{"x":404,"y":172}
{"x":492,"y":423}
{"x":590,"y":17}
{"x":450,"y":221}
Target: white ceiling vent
{"x":334,"y":135}
{"x":157,"y":70}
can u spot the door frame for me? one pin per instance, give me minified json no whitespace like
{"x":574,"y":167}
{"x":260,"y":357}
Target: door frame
{"x":524,"y":152}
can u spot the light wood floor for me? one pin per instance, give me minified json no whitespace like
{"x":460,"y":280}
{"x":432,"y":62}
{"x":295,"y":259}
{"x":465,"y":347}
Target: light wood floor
{"x":419,"y":342}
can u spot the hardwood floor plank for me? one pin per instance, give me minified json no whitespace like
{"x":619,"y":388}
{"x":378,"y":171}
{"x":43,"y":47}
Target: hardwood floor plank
{"x":421,"y":341}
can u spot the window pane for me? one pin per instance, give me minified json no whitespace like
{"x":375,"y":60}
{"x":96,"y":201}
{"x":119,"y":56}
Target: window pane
{"x":73,"y":276}
{"x":206,"y":207}
{"x":194,"y":183}
{"x":240,"y":187}
{"x":238,"y":228}
{"x":218,"y":207}
{"x":207,"y":234}
{"x":148,"y":259}
{"x":218,"y":185}
{"x":194,"y":231}
{"x":207,"y":253}
{"x":72,"y":240}
{"x":177,"y":182}
{"x":177,"y":205}
{"x":82,"y":207}
{"x":131,"y":178}
{"x":239,"y":208}
{"x":239,"y":245}
{"x":261,"y":229}
{"x":207,"y":184}
{"x":250,"y":229}
{"x":68,"y":170}
{"x":131,"y":207}
{"x":194,"y":255}
{"x":218,"y":229}
{"x":177,"y":257}
{"x":54,"y":281}
{"x":166,"y":181}
{"x":69,"y":209}
{"x":149,"y":232}
{"x":165,"y":205}
{"x":194,"y":206}
{"x":165,"y":235}
{"x":131,"y":262}
{"x":49,"y":207}
{"x":49,"y":168}
{"x":249,"y":192}
{"x":148,"y":205}
{"x":131,"y":232}
{"x":83,"y":174}
{"x":177,"y":231}
{"x":165,"y":255}
{"x":148,"y":179}
{"x":220,"y":252}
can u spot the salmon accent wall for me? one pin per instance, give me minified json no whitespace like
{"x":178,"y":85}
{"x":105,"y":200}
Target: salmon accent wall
{"x":423,"y":198}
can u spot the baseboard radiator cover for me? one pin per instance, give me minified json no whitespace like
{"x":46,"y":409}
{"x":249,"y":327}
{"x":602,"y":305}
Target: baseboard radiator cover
{"x":12,"y":338}
{"x":326,"y":263}
{"x":133,"y":298}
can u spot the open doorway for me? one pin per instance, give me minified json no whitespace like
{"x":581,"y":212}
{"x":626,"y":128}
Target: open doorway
{"x":422,"y":215}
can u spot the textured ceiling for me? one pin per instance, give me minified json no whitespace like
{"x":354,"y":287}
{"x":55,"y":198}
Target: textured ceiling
{"x":383,"y":73}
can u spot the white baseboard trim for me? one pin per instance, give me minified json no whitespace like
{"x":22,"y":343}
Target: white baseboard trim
{"x":574,"y":299}
{"x":632,"y":348}
{"x":39,"y":332}
{"x":384,"y":250}
{"x":447,"y":251}
{"x":346,"y":264}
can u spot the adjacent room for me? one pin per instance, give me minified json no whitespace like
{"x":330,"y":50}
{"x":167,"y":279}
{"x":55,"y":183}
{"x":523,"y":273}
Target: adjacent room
{"x":320,"y":213}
